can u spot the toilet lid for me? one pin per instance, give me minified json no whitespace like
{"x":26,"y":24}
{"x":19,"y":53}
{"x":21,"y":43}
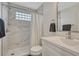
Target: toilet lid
{"x":36,"y":48}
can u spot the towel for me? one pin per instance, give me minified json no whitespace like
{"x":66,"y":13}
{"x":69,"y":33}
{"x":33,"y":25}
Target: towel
{"x":2,"y":28}
{"x":52,"y":27}
{"x":67,"y":27}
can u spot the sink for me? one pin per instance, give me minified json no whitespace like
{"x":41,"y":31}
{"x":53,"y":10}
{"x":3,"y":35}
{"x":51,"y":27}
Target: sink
{"x":70,"y":42}
{"x":63,"y":41}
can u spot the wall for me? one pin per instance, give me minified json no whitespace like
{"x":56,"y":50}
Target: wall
{"x":78,"y":17}
{"x":40,"y":9}
{"x":49,"y":13}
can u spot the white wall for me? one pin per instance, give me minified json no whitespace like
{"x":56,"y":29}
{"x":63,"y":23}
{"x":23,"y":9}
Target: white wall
{"x":69,"y":16}
{"x":49,"y":13}
{"x":5,"y":18}
{"x":5,"y":14}
{"x":78,"y":17}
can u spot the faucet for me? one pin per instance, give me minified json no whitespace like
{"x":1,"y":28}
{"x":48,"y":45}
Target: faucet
{"x":69,"y":35}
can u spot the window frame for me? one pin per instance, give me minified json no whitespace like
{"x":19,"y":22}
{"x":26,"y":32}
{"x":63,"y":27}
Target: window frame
{"x":21,"y":15}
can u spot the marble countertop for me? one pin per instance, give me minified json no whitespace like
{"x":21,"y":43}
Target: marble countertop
{"x":61,"y":41}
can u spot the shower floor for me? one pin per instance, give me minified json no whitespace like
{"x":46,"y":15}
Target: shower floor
{"x":19,"y":51}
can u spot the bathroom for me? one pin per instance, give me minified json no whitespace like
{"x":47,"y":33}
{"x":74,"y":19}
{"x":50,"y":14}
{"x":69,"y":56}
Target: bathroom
{"x":39,"y":29}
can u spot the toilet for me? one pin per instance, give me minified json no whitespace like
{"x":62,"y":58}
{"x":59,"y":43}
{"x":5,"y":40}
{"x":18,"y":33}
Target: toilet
{"x":36,"y":51}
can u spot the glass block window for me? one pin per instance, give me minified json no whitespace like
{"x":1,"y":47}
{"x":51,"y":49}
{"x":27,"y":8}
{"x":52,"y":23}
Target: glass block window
{"x":23,"y":16}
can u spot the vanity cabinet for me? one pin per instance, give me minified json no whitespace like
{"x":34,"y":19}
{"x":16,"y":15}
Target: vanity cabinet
{"x":50,"y":49}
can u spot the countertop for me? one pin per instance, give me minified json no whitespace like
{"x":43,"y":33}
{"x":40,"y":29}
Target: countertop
{"x":59,"y":41}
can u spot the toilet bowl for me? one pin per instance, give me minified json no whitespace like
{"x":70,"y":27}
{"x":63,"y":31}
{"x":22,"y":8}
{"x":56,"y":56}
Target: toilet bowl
{"x":36,"y":51}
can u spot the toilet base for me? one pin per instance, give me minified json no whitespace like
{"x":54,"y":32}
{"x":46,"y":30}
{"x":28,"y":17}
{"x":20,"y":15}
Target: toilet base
{"x":36,"y":55}
{"x":36,"y":51}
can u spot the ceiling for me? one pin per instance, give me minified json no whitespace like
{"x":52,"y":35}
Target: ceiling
{"x":64,"y":5}
{"x":36,"y":5}
{"x":32,"y":5}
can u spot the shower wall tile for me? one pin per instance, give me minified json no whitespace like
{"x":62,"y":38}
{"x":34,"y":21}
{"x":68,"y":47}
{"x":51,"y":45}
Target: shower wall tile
{"x":18,"y":36}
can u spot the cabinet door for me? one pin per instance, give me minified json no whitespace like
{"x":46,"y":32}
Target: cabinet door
{"x":56,"y":52}
{"x":52,"y":50}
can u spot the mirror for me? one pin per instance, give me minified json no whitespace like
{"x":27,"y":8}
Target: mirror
{"x":68,"y":16}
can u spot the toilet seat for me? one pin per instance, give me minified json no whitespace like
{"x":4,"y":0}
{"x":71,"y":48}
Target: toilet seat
{"x":36,"y":50}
